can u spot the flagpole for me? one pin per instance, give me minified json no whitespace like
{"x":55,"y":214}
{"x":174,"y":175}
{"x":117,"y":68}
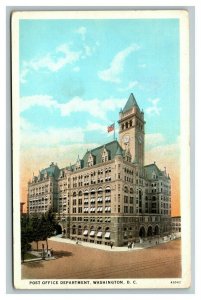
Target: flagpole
{"x":114,"y":131}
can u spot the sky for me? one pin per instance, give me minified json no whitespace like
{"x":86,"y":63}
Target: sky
{"x":76,"y":75}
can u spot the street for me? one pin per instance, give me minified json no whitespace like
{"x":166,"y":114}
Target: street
{"x":79,"y":262}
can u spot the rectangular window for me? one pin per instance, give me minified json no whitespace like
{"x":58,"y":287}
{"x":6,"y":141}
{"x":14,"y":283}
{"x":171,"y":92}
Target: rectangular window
{"x":125,"y":209}
{"x":125,"y":199}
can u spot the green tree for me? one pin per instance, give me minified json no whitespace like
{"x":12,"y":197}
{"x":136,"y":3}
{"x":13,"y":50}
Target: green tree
{"x":26,"y":235}
{"x":48,"y":226}
{"x":36,"y":228}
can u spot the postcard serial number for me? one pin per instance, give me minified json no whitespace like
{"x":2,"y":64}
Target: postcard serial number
{"x":175,"y":281}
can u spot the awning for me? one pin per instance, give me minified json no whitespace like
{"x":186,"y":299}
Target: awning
{"x":92,"y":233}
{"x":99,"y":234}
{"x":107,"y":235}
{"x":85,"y":232}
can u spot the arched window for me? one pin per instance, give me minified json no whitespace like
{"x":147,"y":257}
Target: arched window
{"x":100,"y":190}
{"x":126,"y":189}
{"x":107,"y":189}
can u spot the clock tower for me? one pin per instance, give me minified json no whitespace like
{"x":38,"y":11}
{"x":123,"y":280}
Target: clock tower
{"x":131,"y":130}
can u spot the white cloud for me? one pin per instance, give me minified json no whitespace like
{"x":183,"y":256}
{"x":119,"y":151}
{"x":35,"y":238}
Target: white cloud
{"x":130,"y":86}
{"x":37,"y":100}
{"x":23,"y":74}
{"x":153,"y":140}
{"x":165,"y":155}
{"x":82,"y":31}
{"x":54,"y":61}
{"x":153,"y":109}
{"x":95,"y":107}
{"x":51,"y":137}
{"x":96,"y":127}
{"x":117,"y":65}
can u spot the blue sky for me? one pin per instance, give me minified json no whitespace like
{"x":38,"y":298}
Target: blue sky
{"x":75,"y":75}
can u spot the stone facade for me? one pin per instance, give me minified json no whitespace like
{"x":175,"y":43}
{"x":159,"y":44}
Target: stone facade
{"x":176,"y":224}
{"x":108,"y":195}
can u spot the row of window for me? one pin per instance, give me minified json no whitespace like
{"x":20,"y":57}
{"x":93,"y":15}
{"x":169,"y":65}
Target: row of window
{"x":92,"y":219}
{"x":91,"y":210}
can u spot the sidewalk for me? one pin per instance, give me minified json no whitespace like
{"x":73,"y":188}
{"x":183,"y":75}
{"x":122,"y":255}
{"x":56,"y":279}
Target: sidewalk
{"x":138,"y":246}
{"x":38,"y":257}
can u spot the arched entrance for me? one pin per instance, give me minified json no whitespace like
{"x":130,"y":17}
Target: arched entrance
{"x":58,"y":229}
{"x":156,"y":230}
{"x":149,"y":231}
{"x":142,"y":232}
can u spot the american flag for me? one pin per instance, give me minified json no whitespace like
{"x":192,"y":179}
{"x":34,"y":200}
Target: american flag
{"x":110,"y":128}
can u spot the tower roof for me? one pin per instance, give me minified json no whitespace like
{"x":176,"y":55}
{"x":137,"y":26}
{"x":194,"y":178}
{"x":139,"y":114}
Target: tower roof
{"x":130,"y":103}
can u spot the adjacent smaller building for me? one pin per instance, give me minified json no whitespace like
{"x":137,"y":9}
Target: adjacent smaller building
{"x":176,"y":224}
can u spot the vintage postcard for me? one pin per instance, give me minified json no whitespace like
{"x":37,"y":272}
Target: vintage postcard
{"x":101,"y":168}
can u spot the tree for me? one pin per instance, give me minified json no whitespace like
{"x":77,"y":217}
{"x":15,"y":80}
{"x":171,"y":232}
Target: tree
{"x":36,"y":228}
{"x":48,"y":226}
{"x":26,"y":235}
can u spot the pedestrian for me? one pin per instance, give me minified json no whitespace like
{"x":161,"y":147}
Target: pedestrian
{"x":133,"y":245}
{"x":111,"y":244}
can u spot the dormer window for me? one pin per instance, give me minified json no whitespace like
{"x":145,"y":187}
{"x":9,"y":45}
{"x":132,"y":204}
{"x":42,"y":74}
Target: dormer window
{"x":90,"y":160}
{"x":78,"y":165}
{"x":153,"y":175}
{"x":105,"y":156}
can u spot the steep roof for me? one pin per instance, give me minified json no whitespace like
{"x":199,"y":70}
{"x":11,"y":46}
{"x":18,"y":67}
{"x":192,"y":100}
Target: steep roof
{"x":52,"y":170}
{"x":131,"y":102}
{"x":111,"y":147}
{"x":119,"y":151}
{"x":149,"y":169}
